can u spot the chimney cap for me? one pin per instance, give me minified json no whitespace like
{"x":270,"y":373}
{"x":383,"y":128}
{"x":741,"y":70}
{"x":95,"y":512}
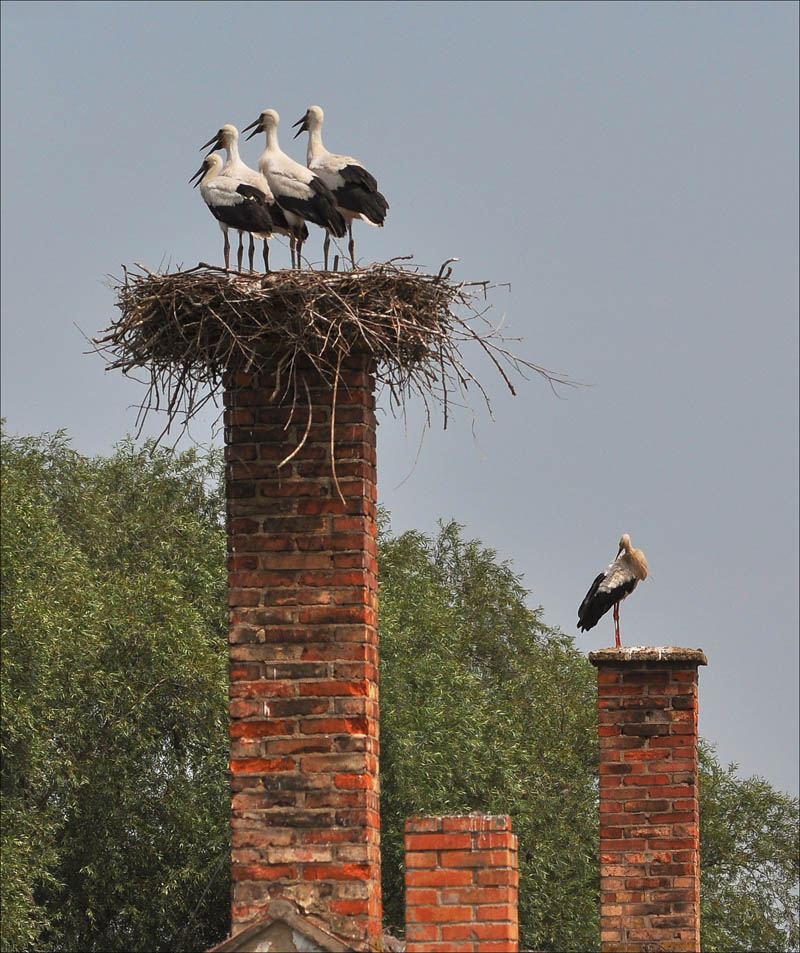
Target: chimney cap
{"x":648,"y":653}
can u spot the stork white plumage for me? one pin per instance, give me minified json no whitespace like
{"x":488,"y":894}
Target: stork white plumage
{"x":355,"y":190}
{"x":227,"y":138}
{"x":301,"y":194}
{"x":612,"y":586}
{"x":233,"y":204}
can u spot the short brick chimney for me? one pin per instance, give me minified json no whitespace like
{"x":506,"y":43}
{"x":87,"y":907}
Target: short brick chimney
{"x":303,"y":650}
{"x":461,"y":884}
{"x":649,"y":823}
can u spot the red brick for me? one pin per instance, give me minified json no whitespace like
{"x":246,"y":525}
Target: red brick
{"x":480,"y":931}
{"x":245,"y":709}
{"x":422,"y":825}
{"x":435,"y":877}
{"x":265,"y":688}
{"x":439,"y":914}
{"x":437,"y":841}
{"x":337,"y":872}
{"x":333,"y":688}
{"x":355,"y":781}
{"x":263,"y":872}
{"x":608,"y":678}
{"x":497,"y":875}
{"x":417,"y":932}
{"x":646,"y":780}
{"x":421,"y":858}
{"x":335,"y":726}
{"x":503,"y":911}
{"x":475,"y":895}
{"x":500,"y":839}
{"x":259,"y":729}
{"x":421,"y":896}
{"x":260,"y":765}
{"x":475,"y":858}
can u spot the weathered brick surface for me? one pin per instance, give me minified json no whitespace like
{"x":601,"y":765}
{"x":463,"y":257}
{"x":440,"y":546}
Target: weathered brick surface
{"x":649,"y":823}
{"x":461,"y":884}
{"x":303,"y":651}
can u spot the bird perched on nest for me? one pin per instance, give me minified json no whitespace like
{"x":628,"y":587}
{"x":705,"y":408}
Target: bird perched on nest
{"x":301,"y":194}
{"x":227,"y":138}
{"x":354,"y":190}
{"x":612,"y":586}
{"x":233,"y":204}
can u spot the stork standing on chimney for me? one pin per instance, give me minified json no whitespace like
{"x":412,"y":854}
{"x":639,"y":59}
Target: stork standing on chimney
{"x":612,"y":586}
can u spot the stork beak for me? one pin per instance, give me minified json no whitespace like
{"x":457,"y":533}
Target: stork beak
{"x":198,"y":175}
{"x":302,"y":123}
{"x":211,"y":142}
{"x":255,"y":126}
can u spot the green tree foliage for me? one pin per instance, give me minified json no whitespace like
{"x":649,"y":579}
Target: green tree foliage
{"x":114,"y":685}
{"x":114,"y":741}
{"x":749,"y":862}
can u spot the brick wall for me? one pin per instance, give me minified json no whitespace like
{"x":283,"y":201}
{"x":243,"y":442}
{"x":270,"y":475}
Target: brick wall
{"x":461,"y":884}
{"x":649,"y":837}
{"x":303,"y":653}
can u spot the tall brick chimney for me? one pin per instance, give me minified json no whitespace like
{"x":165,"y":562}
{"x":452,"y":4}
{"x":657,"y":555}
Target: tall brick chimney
{"x":303,"y":651}
{"x":649,"y":822}
{"x":461,"y":884}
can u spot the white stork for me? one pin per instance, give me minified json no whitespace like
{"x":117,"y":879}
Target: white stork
{"x":227,"y":138}
{"x":354,"y":189}
{"x":612,"y":586}
{"x":300,"y":193}
{"x":233,"y":204}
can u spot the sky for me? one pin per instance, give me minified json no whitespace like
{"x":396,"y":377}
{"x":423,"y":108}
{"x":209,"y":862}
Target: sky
{"x":630,"y":170}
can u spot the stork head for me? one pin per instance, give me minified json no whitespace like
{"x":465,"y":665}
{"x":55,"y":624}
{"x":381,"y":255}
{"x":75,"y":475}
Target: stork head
{"x":268,"y":119}
{"x":635,"y":557}
{"x":212,"y":162}
{"x":224,"y":136}
{"x":311,"y":121}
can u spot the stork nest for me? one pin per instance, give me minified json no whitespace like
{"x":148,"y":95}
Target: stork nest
{"x":186,"y":329}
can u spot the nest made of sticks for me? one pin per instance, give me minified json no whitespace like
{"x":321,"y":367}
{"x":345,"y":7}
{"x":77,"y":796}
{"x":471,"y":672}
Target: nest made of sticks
{"x":187,"y":328}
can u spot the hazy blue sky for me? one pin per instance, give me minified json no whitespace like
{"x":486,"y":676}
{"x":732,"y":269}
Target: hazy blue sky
{"x":630,"y":169}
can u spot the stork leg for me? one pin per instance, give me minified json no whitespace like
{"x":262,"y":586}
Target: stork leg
{"x":299,"y":250}
{"x":227,"y":251}
{"x":351,"y":245}
{"x":252,"y":250}
{"x":266,"y":257}
{"x":325,"y":247}
{"x":292,"y":243}
{"x":616,"y":622}
{"x":240,"y":253}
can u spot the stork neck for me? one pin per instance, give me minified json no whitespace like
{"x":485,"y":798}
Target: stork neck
{"x":233,"y":152}
{"x":315,"y":146}
{"x":272,"y":139}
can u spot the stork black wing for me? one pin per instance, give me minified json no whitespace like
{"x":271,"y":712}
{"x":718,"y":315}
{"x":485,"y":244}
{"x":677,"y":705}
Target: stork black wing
{"x":599,"y":600}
